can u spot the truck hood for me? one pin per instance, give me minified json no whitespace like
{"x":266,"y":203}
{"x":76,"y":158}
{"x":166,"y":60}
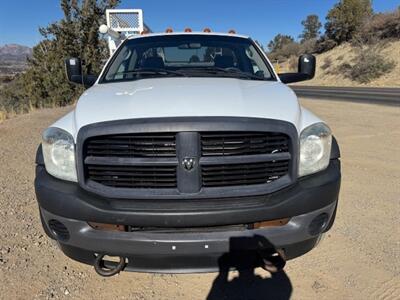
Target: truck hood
{"x":186,"y":97}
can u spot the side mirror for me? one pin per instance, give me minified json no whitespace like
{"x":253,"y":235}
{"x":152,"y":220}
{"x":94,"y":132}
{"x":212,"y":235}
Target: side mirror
{"x":307,"y":65}
{"x":306,"y":70}
{"x":73,"y":67}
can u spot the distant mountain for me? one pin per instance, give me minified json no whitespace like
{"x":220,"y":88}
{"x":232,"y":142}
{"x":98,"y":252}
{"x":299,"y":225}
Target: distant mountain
{"x":14,"y":52}
{"x":13,"y":59}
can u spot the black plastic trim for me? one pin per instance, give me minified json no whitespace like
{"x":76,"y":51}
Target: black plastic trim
{"x":39,"y":160}
{"x":67,"y":199}
{"x":335,"y":150}
{"x":123,"y":161}
{"x":245,"y":159}
{"x":287,"y":78}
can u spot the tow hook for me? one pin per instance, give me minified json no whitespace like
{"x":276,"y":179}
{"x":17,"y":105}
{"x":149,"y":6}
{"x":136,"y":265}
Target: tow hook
{"x":272,"y":262}
{"x":106,"y":271}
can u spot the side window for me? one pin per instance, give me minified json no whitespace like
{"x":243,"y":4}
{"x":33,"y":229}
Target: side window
{"x":126,"y":61}
{"x":258,"y":65}
{"x":250,"y":56}
{"x":133,"y":60}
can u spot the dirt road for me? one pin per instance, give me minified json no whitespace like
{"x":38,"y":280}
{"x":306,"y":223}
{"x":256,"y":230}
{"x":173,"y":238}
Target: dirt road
{"x":359,"y":258}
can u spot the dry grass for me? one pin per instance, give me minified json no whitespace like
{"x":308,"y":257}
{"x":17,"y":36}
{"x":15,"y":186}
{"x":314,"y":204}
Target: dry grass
{"x":3,"y":116}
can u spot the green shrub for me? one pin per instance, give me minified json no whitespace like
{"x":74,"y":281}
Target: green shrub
{"x":325,"y":44}
{"x":380,"y":26}
{"x":292,"y":49}
{"x":327,"y":63}
{"x":367,"y":66}
{"x":309,"y":46}
{"x":345,"y":69}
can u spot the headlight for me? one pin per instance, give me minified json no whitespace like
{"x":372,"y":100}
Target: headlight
{"x":315,"y":149}
{"x":59,"y":153}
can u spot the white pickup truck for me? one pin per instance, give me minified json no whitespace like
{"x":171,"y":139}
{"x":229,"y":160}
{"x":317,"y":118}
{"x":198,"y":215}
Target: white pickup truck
{"x":187,"y":152}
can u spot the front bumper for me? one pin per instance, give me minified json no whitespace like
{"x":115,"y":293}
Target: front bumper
{"x":180,"y":251}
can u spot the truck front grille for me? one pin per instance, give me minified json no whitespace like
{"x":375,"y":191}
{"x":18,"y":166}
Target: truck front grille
{"x":187,"y":158}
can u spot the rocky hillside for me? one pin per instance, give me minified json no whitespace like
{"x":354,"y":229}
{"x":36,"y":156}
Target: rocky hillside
{"x":13,"y":59}
{"x":330,"y":73}
{"x":333,"y":66}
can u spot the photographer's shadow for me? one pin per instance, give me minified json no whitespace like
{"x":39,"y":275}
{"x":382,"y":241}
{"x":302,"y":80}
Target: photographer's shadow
{"x":247,"y":284}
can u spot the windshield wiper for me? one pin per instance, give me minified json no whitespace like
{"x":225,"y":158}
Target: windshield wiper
{"x":151,"y":71}
{"x":232,"y":72}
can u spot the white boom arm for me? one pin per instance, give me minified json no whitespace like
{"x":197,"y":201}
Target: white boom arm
{"x":121,"y":23}
{"x":104,"y":29}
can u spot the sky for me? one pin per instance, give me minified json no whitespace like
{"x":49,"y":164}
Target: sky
{"x":260,"y":19}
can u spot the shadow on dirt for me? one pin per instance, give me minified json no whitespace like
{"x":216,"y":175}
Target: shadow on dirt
{"x":246,"y":284}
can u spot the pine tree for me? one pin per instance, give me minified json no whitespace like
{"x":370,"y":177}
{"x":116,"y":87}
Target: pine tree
{"x":279,"y":42}
{"x":312,"y":27}
{"x":345,"y":19}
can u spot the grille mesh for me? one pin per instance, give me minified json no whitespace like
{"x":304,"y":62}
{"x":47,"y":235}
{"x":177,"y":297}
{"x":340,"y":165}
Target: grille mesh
{"x":132,"y":145}
{"x":243,"y":174}
{"x":133,"y":176}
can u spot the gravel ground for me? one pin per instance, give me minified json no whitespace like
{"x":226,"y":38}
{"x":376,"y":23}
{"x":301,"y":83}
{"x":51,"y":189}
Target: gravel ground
{"x":359,"y":258}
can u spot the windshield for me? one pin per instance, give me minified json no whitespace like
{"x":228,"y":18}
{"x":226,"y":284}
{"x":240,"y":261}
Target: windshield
{"x":187,"y":56}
